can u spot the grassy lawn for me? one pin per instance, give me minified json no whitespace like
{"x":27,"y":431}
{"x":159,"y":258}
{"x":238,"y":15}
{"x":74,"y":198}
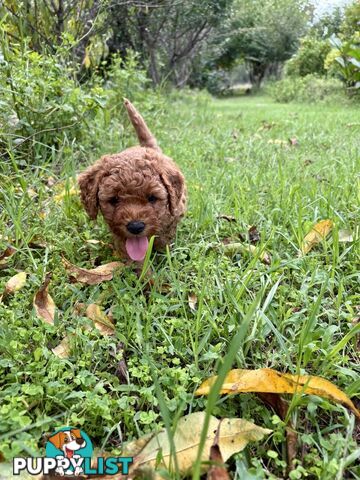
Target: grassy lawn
{"x":238,"y":161}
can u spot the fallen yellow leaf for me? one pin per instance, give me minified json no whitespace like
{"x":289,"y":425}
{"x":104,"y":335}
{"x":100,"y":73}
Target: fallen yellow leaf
{"x":43,"y":303}
{"x":15,"y":283}
{"x":66,"y":188}
{"x":316,"y":235}
{"x":101,"y":321}
{"x":93,"y":276}
{"x":233,"y":434}
{"x":266,"y":380}
{"x":63,"y":349}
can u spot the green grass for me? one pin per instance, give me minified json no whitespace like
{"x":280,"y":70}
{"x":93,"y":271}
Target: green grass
{"x":308,"y":305}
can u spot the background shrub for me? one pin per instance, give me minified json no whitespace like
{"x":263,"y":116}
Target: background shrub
{"x":310,"y":58}
{"x":42,"y":103}
{"x":307,"y":89}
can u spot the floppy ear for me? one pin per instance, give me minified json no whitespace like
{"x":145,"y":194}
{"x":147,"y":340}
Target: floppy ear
{"x":89,"y":185}
{"x":76,"y":432}
{"x":57,"y":440}
{"x":174,"y":184}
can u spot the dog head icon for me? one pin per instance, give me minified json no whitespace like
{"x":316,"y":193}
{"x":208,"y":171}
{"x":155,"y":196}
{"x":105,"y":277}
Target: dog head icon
{"x":68,"y":441}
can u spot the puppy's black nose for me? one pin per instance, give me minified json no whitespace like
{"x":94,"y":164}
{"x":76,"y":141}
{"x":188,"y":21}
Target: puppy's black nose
{"x":80,"y":441}
{"x":135,"y":227}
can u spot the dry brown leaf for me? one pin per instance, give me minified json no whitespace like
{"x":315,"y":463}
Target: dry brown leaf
{"x":346,"y":236}
{"x":266,"y":380}
{"x":43,"y":303}
{"x":254,"y":235}
{"x":63,"y":349}
{"x":231,"y":249}
{"x":234,"y":435}
{"x":192,"y":300}
{"x":275,"y":401}
{"x":121,"y":369}
{"x":229,"y":218}
{"x":217,"y":470}
{"x":79,"y":309}
{"x":37,"y":244}
{"x":316,"y":235}
{"x":8,"y":252}
{"x":94,"y":276}
{"x":101,"y":321}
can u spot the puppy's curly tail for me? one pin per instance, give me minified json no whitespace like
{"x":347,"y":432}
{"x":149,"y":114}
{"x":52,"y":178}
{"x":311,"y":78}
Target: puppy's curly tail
{"x":146,"y":138}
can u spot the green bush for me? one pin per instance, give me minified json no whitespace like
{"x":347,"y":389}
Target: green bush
{"x":41,"y":104}
{"x":125,"y":78}
{"x":309,"y":59}
{"x":307,"y":89}
{"x":344,"y":60}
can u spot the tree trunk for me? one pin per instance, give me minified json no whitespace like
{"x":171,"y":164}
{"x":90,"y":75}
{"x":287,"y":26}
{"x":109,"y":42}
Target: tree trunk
{"x":256,"y":73}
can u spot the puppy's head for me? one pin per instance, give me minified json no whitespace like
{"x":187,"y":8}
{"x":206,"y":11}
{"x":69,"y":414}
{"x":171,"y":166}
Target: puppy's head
{"x":138,"y":191}
{"x":68,"y":441}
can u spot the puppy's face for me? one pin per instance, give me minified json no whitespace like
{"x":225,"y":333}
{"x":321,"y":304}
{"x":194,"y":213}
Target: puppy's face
{"x":137,"y":197}
{"x":68,"y":441}
{"x":134,"y":203}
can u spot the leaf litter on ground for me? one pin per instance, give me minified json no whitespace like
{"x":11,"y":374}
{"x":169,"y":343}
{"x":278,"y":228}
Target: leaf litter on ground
{"x":63,"y":349}
{"x":254,"y":235}
{"x":43,"y":303}
{"x":266,"y":380}
{"x":317,"y":234}
{"x":192,"y":301}
{"x":278,"y":404}
{"x":228,"y":218}
{"x":217,"y":469}
{"x":101,"y":321}
{"x":14,"y":284}
{"x":7,"y":253}
{"x":93,"y":276}
{"x":154,"y":451}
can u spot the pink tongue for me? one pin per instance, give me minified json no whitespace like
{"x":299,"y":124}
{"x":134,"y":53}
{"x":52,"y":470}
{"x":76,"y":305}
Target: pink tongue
{"x":136,"y":248}
{"x":69,"y":453}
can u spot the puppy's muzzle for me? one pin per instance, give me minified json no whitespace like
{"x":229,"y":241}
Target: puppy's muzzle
{"x":135,"y":227}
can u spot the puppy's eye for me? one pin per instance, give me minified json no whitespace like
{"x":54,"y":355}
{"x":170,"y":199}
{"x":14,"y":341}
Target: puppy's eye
{"x":152,"y":198}
{"x":66,"y":440}
{"x":114,"y":200}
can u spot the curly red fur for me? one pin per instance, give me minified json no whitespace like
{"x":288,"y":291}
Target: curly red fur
{"x":120,"y":186}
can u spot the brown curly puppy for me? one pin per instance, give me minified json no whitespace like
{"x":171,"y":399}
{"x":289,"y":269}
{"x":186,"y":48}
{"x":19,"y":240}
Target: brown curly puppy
{"x":140,"y":193}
